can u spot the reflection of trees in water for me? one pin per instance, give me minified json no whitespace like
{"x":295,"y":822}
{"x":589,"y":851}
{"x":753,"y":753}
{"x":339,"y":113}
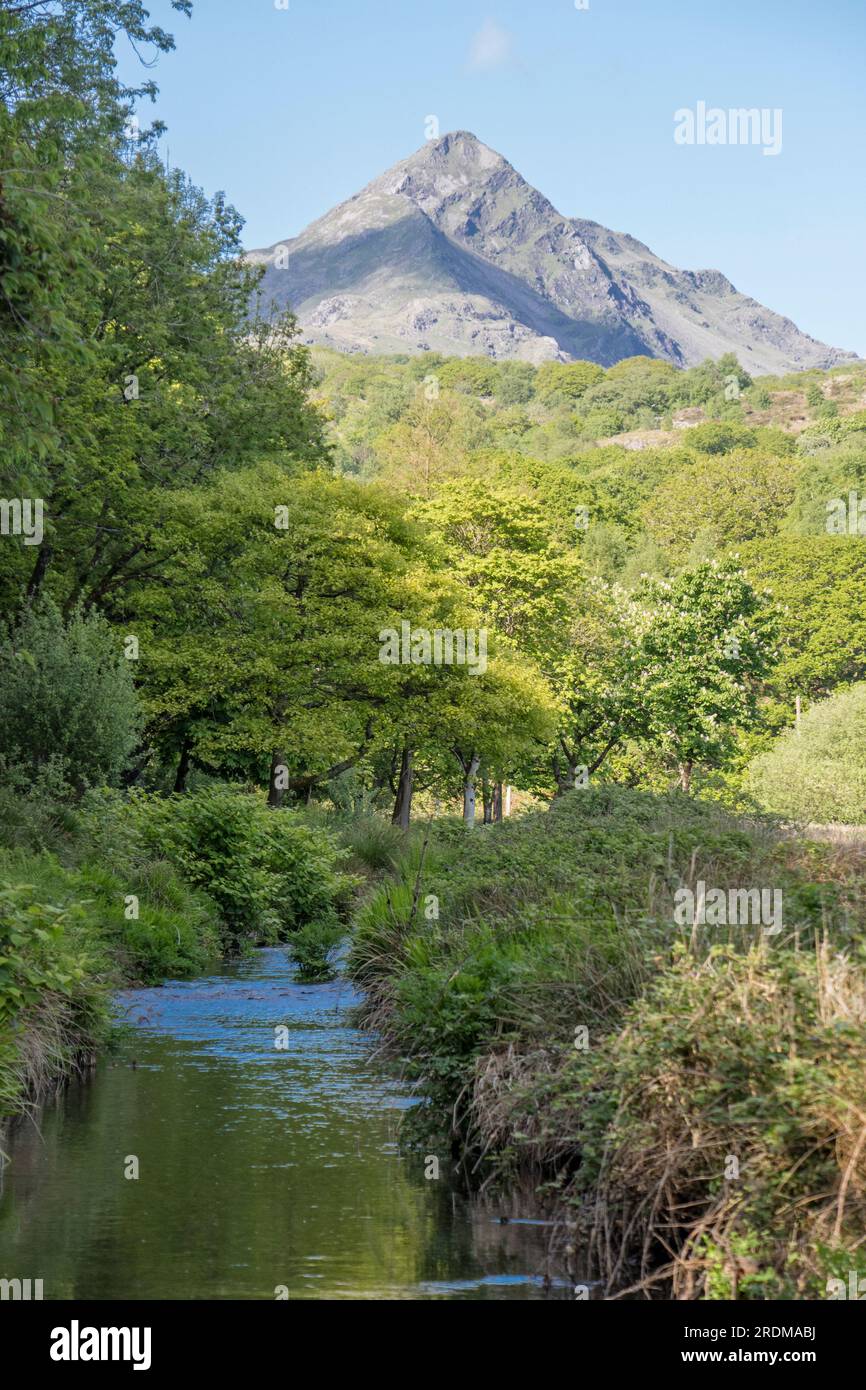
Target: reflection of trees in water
{"x":253,"y":1175}
{"x":489,"y":1237}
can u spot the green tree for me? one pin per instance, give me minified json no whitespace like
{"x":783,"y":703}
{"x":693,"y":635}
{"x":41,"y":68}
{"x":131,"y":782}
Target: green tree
{"x":707,"y":644}
{"x":500,"y":543}
{"x":724,"y":498}
{"x":129,"y":364}
{"x":818,"y":586}
{"x":566,"y":380}
{"x":596,"y":682}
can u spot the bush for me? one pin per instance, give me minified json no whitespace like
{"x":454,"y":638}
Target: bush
{"x":211,"y":838}
{"x":722,"y":1125}
{"x":301,"y":861}
{"x":540,"y":922}
{"x":35,"y":807}
{"x":313,"y":949}
{"x":66,"y":695}
{"x":818,"y":774}
{"x":53,"y":1004}
{"x":173,"y":930}
{"x":267,"y":871}
{"x":373,"y":842}
{"x":495,"y":946}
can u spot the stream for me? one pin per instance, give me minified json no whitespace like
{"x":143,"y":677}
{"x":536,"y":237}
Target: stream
{"x":263,"y":1171}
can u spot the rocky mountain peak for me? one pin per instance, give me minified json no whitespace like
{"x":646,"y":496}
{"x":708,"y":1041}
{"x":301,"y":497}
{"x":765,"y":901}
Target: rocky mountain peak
{"x":451,"y":250}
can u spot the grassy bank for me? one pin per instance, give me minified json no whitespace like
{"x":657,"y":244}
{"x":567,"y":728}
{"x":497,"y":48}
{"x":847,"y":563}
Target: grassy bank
{"x":690,"y":1096}
{"x":115,"y":890}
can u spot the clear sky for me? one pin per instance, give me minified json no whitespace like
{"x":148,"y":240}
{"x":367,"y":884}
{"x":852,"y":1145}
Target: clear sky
{"x":289,"y":111}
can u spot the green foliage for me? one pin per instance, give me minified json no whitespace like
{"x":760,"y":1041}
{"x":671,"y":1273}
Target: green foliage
{"x":129,"y":362}
{"x":66,"y":694}
{"x":540,"y":921}
{"x":726,"y":495}
{"x":34,"y":959}
{"x":756,"y":1056}
{"x":708,"y":641}
{"x":52,"y":1003}
{"x":312,"y":949}
{"x":267,"y":871}
{"x":566,"y":380}
{"x":817,"y":585}
{"x":475,"y":376}
{"x":503,"y":548}
{"x":167,"y":427}
{"x":697,"y":1048}
{"x":819,"y":773}
{"x":36,"y":811}
{"x":372,"y":842}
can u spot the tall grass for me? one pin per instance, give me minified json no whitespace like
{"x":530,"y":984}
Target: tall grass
{"x":534,"y":984}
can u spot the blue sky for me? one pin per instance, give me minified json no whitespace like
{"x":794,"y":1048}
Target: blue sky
{"x":289,"y":111}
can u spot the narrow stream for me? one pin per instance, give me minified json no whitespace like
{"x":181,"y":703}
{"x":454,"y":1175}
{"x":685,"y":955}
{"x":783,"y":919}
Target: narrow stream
{"x":260,"y":1167}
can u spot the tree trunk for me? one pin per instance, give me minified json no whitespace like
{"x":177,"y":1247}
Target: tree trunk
{"x":487,"y":801}
{"x":183,"y":766}
{"x":40,"y":569}
{"x":469,"y":791}
{"x":685,"y":777}
{"x":497,"y":801}
{"x":275,"y":793}
{"x":564,"y":780}
{"x":403,"y":801}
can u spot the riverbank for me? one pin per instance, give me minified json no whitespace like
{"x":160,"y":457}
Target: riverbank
{"x":684,"y":1096}
{"x":691,"y":1095}
{"x":120,"y":890}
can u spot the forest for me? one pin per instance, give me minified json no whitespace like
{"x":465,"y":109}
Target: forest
{"x":243,"y":703}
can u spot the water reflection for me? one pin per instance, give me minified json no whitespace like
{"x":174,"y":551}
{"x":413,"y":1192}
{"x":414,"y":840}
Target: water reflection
{"x":260,"y":1165}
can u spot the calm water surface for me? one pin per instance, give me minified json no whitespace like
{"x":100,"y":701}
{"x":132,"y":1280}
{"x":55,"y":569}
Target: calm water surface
{"x":259,"y":1167}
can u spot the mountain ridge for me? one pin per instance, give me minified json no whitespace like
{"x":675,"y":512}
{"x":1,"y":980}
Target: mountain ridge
{"x":451,"y":250}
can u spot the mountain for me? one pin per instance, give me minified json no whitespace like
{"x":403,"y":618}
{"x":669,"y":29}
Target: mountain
{"x":452,"y":251}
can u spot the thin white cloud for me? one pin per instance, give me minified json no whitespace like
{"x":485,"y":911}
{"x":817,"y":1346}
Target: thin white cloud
{"x":492,"y":47}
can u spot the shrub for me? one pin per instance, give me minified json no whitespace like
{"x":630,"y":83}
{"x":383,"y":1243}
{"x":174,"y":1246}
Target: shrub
{"x":721,"y":1128}
{"x":373,"y":842}
{"x":540,"y":922}
{"x":495,"y":945}
{"x":267,"y":871}
{"x":66,"y":695}
{"x":53,"y":1004}
{"x":211,"y":837}
{"x":35,"y":807}
{"x":818,"y":774}
{"x":175,"y":932}
{"x":302,"y":862}
{"x":313,"y":949}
